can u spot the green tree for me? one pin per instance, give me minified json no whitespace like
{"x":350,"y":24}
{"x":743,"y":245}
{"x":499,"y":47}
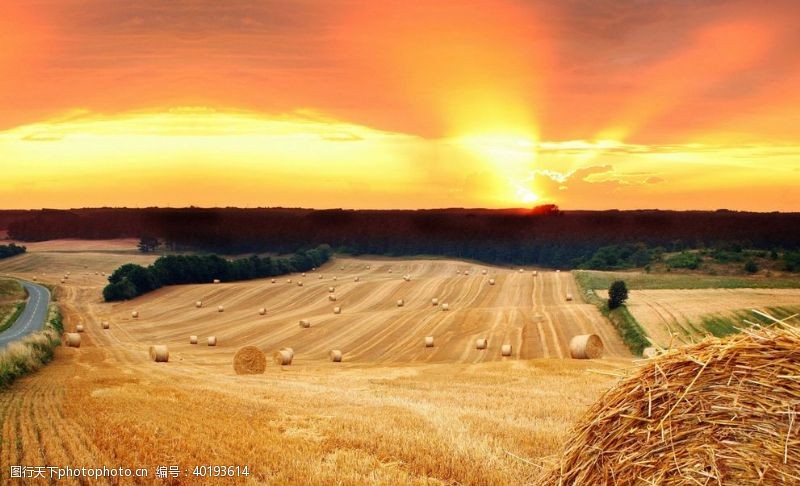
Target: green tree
{"x":617,"y":294}
{"x":751,"y":266}
{"x":148,"y":244}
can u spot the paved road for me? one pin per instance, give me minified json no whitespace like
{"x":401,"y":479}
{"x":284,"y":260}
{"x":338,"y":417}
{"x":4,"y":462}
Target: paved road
{"x":33,"y":316}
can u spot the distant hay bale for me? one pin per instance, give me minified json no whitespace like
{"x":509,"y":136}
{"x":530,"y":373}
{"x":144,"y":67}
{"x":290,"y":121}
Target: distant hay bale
{"x":505,"y":350}
{"x":586,"y":346}
{"x":216,"y":280}
{"x":721,"y":411}
{"x":428,"y":341}
{"x":535,"y":273}
{"x":159,"y":353}
{"x":335,"y":278}
{"x":303,"y":274}
{"x":558,"y":271}
{"x":135,"y":314}
{"x":341,"y":267}
{"x":569,"y":297}
{"x":283,"y":357}
{"x":407,"y":278}
{"x":289,"y":350}
{"x":331,"y":289}
{"x":249,"y":360}
{"x":220,"y":308}
{"x":320,"y":277}
{"x":272,"y":280}
{"x":445,"y":307}
{"x":288,"y":280}
{"x":483,"y":272}
{"x":390,"y":270}
{"x":72,"y":340}
{"x":337,"y":310}
{"x":212,"y":340}
{"x":368,"y":267}
{"x":63,"y":281}
{"x":458,"y":272}
{"x":332,"y":297}
{"x":305,"y":323}
{"x":34,"y":278}
{"x":521,"y":270}
{"x":192,"y":339}
{"x":649,"y":352}
{"x":336,"y":356}
{"x":482,"y":343}
{"x":400,"y":302}
{"x":356,"y":279}
{"x":299,"y":284}
{"x":262,"y":311}
{"x":491,"y":281}
{"x":106,"y":325}
{"x":79,"y":328}
{"x":434,"y":301}
{"x":198,"y":304}
{"x":466,"y":273}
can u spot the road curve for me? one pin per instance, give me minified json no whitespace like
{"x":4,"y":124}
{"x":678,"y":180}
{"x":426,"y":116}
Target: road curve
{"x":32,"y":317}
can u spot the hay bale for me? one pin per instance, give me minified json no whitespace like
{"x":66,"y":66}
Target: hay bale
{"x":290,"y":351}
{"x":79,"y":328}
{"x":407,"y":278}
{"x":341,"y":267}
{"x":400,"y":302}
{"x":272,"y":280}
{"x":220,"y":308}
{"x":249,"y":360}
{"x":337,"y":310}
{"x":722,"y":411}
{"x":491,"y":281}
{"x":521,"y":270}
{"x":62,"y":280}
{"x":434,"y":301}
{"x":198,"y":304}
{"x":135,"y":314}
{"x":159,"y":353}
{"x":332,"y":297}
{"x":106,"y":325}
{"x":356,"y":279}
{"x":483,"y":272}
{"x":481,"y":343}
{"x":336,"y":356}
{"x":535,"y":273}
{"x":569,"y":297}
{"x":335,"y":278}
{"x":192,"y":339}
{"x":262,"y":311}
{"x":303,"y":274}
{"x":72,"y":340}
{"x":34,"y":278}
{"x":331,"y":290}
{"x":586,"y":346}
{"x":320,"y":277}
{"x":283,"y":357}
{"x":458,"y":272}
{"x":505,"y":350}
{"x":649,"y":352}
{"x":368,"y":267}
{"x":216,"y":280}
{"x":288,"y":280}
{"x":558,"y":271}
{"x":212,"y":340}
{"x":445,"y":307}
{"x":299,"y":284}
{"x":428,"y":341}
{"x":466,"y":273}
{"x":390,"y":270}
{"x":305,"y":323}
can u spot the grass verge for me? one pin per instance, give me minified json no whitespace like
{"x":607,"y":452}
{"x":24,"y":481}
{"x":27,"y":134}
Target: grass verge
{"x":721,"y":325}
{"x":13,"y":316}
{"x":632,"y":333}
{"x":32,"y":352}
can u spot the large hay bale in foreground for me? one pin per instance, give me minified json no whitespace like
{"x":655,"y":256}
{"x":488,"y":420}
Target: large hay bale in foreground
{"x":283,"y":357}
{"x":159,"y":353}
{"x":249,"y":361}
{"x":72,"y":340}
{"x":723,"y":411}
{"x":586,"y":346}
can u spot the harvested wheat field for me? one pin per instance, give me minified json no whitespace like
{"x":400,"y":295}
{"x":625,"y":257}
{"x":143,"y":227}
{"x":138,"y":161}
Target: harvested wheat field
{"x":393,"y":410}
{"x":677,"y":316}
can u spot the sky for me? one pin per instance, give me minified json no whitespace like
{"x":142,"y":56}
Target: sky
{"x":588,"y":104}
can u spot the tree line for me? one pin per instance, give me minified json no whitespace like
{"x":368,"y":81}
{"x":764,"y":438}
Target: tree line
{"x":7,"y":251}
{"x":131,"y":280}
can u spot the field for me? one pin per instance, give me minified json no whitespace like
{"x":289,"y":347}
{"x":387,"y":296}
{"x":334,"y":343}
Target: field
{"x":653,"y":281}
{"x":393,"y":411}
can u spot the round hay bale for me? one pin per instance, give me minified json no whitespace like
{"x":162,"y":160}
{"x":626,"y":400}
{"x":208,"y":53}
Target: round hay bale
{"x":558,"y":271}
{"x":106,"y":325}
{"x":586,"y":346}
{"x":400,"y":302}
{"x":428,"y":341}
{"x":299,"y":284}
{"x":272,"y":280}
{"x":192,"y":339}
{"x":331,"y":290}
{"x":341,"y":267}
{"x":320,"y":277}
{"x":212,"y":340}
{"x":483,"y":272}
{"x":336,"y":356}
{"x":303,"y":274}
{"x":521,"y":270}
{"x":290,"y":351}
{"x":716,"y":412}
{"x":249,"y":360}
{"x":198,"y":304}
{"x":368,"y":267}
{"x":332,"y":297}
{"x":283,"y":357}
{"x":491,"y":281}
{"x":220,"y":308}
{"x":445,"y":307}
{"x":649,"y":352}
{"x":458,"y":272}
{"x":72,"y":340}
{"x":356,"y":279}
{"x":569,"y":297}
{"x":505,"y":350}
{"x":62,"y":280}
{"x":159,"y":353}
{"x":216,"y":280}
{"x":466,"y":273}
{"x":305,"y":323}
{"x":482,"y":343}
{"x":535,"y":273}
{"x":135,"y":314}
{"x":34,"y":278}
{"x":434,"y":301}
{"x":262,"y":311}
{"x":288,"y":280}
{"x":79,"y":328}
{"x":337,"y":310}
{"x":335,"y":278}
{"x":390,"y":270}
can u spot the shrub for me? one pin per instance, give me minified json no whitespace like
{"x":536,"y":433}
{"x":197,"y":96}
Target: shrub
{"x":684,"y":259}
{"x":617,"y":294}
{"x":751,"y":266}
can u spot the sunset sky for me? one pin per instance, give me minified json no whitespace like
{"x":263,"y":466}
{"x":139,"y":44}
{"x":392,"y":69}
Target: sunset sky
{"x":589,"y":104}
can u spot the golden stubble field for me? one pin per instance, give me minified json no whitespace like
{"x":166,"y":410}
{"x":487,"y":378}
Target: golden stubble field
{"x":392,"y":412}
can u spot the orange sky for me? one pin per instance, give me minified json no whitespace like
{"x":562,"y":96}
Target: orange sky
{"x":353,"y":103}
